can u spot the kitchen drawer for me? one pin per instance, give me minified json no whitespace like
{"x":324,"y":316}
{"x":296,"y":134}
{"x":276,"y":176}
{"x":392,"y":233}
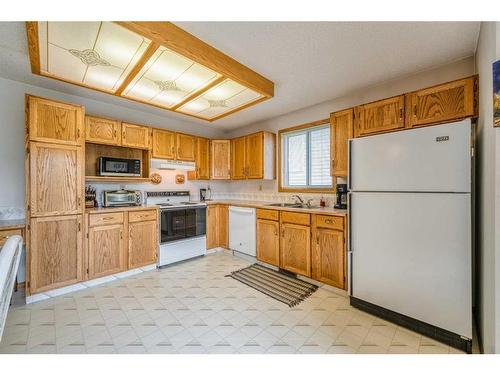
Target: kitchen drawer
{"x":106,"y":218}
{"x":331,"y":222}
{"x":268,"y":214}
{"x":4,"y":234}
{"x":295,"y":218}
{"x":134,"y":216}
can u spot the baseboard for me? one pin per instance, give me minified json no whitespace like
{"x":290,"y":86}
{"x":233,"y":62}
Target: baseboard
{"x":87,"y":284}
{"x":436,"y":333}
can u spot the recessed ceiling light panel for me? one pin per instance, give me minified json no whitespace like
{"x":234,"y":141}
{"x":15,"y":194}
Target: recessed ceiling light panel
{"x":225,"y":97}
{"x":95,"y":54}
{"x":168,"y":78}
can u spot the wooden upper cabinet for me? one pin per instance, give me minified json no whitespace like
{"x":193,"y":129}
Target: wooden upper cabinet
{"x":255,"y":155}
{"x":142,"y":243}
{"x":106,"y":250}
{"x":103,"y":131}
{"x":238,"y":158}
{"x":55,"y":122}
{"x":380,"y":117}
{"x":202,"y":171}
{"x":56,"y":252}
{"x":268,"y":241}
{"x":56,"y":179}
{"x":186,"y":147}
{"x":136,"y":136}
{"x":442,"y":103}
{"x":220,"y":159}
{"x":163,"y":144}
{"x":340,"y":132}
{"x":295,"y":248}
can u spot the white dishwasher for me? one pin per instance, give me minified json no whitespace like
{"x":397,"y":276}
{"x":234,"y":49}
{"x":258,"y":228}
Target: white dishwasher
{"x":242,"y":230}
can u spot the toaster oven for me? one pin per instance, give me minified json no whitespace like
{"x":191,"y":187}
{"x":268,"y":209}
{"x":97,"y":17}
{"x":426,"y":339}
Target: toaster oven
{"x":113,"y":198}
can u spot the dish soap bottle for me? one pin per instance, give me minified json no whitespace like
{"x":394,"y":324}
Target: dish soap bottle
{"x":322,"y":202}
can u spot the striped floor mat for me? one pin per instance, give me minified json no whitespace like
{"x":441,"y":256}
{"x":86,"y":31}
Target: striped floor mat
{"x":277,"y":285}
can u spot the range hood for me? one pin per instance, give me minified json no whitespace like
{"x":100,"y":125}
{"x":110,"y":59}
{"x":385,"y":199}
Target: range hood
{"x":173,"y":164}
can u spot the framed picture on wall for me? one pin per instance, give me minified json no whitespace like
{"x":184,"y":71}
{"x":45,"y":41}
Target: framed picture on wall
{"x":496,"y":93}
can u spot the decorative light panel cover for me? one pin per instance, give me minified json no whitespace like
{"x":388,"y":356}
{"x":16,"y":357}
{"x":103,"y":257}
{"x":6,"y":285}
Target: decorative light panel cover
{"x":168,"y":78}
{"x":225,"y":97}
{"x":95,"y":54}
{"x":156,"y":63}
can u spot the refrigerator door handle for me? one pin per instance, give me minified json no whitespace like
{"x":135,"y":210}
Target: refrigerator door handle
{"x":349,"y":176}
{"x":349,"y":243}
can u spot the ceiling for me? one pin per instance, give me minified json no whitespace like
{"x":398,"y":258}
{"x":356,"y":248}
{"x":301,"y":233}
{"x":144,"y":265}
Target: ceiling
{"x":309,"y":62}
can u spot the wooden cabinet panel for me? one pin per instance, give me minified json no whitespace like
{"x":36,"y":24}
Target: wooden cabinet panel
{"x":6,"y":233}
{"x":145,"y":215}
{"x":295,"y":218}
{"x":268,"y":214}
{"x":55,"y":252}
{"x":450,"y":101}
{"x":101,"y":130}
{"x":254,"y":155}
{"x":163,"y":144}
{"x":106,"y":218}
{"x":212,"y":232}
{"x":223,"y":226}
{"x":379,"y":117}
{"x":328,"y":260}
{"x":340,"y":132}
{"x":106,"y":250}
{"x":56,"y":181}
{"x":142,"y":243}
{"x":295,"y":248}
{"x":136,"y":136}
{"x":220,"y":159}
{"x":186,"y":147}
{"x":202,"y":171}
{"x":268,"y":241}
{"x":56,"y":122}
{"x":238,"y":158}
{"x":328,"y":221}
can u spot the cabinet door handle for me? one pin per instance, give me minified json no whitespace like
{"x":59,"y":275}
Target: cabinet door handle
{"x":173,"y":150}
{"x":400,"y":113}
{"x":283,"y":233}
{"x":328,"y":221}
{"x":121,"y":235}
{"x":317,"y":238}
{"x":414,"y":110}
{"x":114,"y":133}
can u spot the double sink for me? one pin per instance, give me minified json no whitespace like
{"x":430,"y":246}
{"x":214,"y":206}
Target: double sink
{"x":290,"y":205}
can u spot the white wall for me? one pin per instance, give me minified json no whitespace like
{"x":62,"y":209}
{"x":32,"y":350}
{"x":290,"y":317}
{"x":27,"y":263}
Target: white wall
{"x":12,"y":125}
{"x":488,"y":192}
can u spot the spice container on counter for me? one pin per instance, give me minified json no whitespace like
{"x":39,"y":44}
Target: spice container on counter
{"x":322,"y":202}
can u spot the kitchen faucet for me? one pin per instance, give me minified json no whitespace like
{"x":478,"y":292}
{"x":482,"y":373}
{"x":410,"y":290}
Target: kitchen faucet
{"x":298,"y":198}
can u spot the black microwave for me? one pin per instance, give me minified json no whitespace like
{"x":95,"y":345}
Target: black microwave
{"x":108,"y":166}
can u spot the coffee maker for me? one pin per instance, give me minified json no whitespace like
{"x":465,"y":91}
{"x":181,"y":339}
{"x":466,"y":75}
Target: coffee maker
{"x":203,"y":195}
{"x":341,"y":198}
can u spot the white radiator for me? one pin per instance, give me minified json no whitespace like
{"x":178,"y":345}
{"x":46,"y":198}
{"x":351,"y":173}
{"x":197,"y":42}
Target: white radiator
{"x":10,"y":254}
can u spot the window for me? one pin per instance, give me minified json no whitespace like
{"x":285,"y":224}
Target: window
{"x":305,"y":158}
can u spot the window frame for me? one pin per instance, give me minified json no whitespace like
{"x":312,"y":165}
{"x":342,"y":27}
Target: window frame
{"x":282,"y":168}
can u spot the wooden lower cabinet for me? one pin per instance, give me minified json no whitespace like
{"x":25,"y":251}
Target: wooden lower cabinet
{"x":328,"y":257}
{"x":223,"y":225}
{"x":217,"y":226}
{"x":295,"y":248}
{"x":142,"y":243}
{"x":106,"y":250}
{"x":268,"y":241}
{"x":55,"y":252}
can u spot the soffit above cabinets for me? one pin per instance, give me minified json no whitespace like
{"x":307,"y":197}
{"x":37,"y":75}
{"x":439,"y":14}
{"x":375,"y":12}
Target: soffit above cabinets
{"x":155,"y":63}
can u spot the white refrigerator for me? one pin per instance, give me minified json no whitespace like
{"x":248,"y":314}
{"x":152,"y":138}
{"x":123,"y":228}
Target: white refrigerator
{"x":410,"y":214}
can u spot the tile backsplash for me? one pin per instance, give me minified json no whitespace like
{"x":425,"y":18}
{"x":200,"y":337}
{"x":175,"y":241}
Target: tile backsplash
{"x":12,"y":213}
